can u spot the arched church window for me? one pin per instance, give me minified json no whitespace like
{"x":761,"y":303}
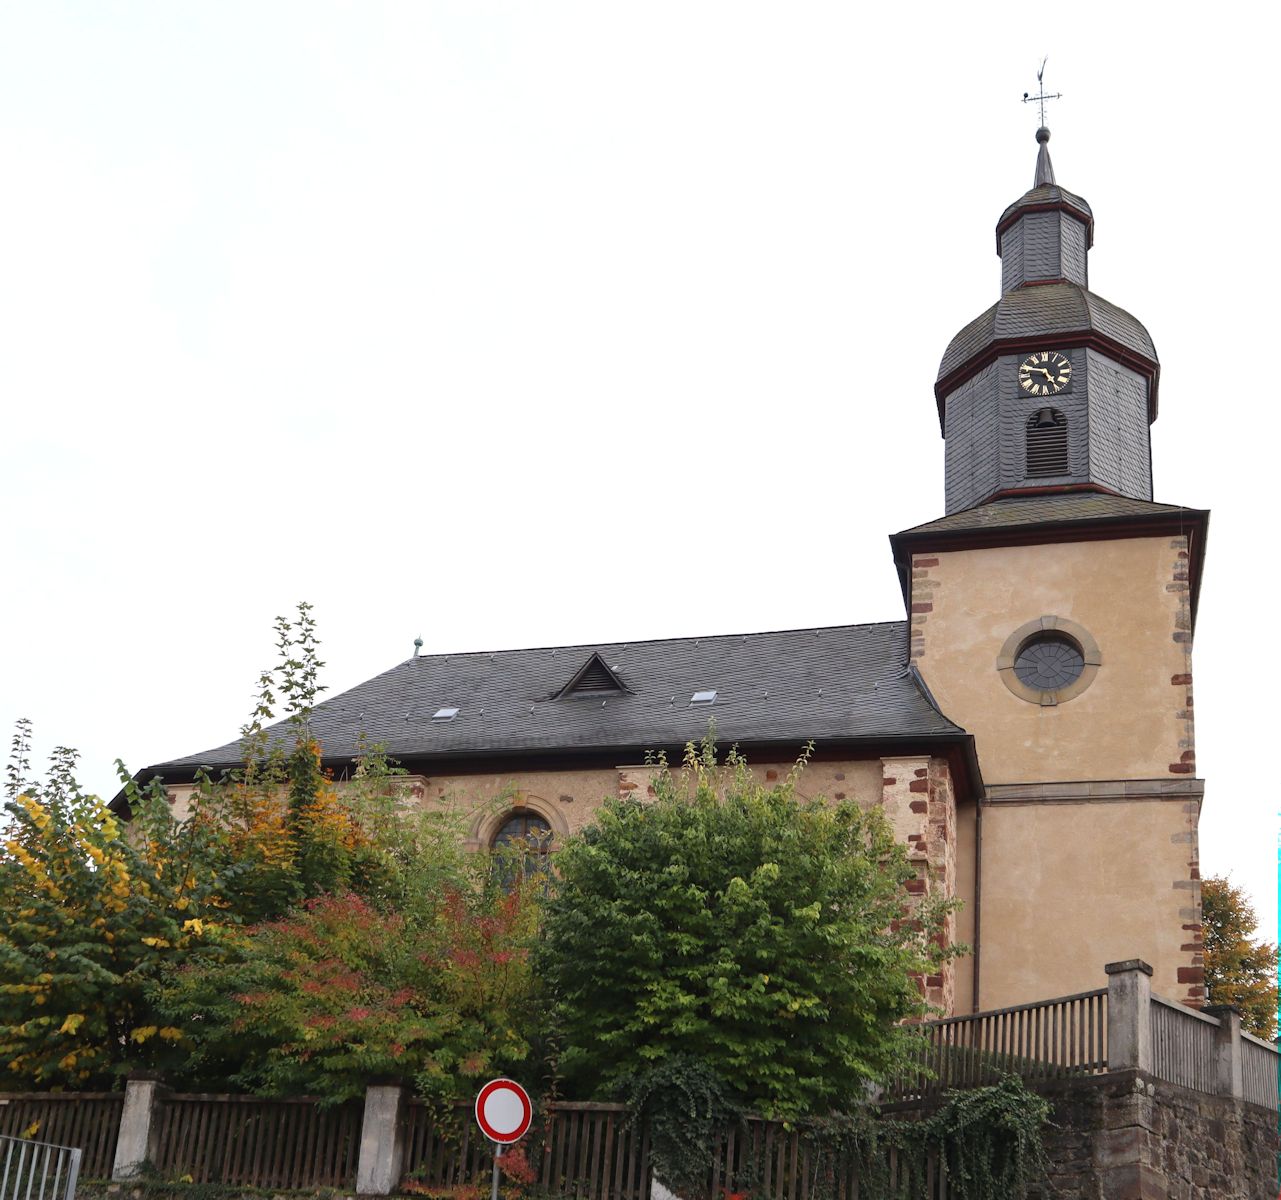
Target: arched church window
{"x":522,"y":843}
{"x":1047,"y":443}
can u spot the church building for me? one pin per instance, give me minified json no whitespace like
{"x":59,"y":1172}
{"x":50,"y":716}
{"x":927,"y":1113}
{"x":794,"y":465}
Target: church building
{"x":1027,"y":727}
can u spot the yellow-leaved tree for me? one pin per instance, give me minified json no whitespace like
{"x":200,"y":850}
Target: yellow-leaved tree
{"x":1238,"y":969}
{"x":95,"y":907}
{"x":88,"y":918}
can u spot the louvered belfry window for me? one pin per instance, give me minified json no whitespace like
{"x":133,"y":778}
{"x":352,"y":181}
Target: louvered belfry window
{"x":1047,"y":443}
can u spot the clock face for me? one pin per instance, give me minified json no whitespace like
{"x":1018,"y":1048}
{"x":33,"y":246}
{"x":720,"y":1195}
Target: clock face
{"x":1044,"y":372}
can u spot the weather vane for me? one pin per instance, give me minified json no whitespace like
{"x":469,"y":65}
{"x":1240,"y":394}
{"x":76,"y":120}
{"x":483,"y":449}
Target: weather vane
{"x":1041,"y":94}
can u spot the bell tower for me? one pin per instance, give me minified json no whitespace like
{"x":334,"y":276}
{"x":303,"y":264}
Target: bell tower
{"x":1051,"y":615}
{"x":1052,"y":388}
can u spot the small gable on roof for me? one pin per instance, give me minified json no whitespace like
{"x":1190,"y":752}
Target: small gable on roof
{"x":593,"y":678}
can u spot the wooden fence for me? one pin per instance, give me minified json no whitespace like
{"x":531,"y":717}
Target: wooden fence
{"x":1260,"y":1071}
{"x":1184,"y":1049}
{"x":594,"y":1152}
{"x":253,"y":1142}
{"x":765,"y":1158}
{"x":1050,"y":1039}
{"x":584,"y":1151}
{"x":89,"y":1121}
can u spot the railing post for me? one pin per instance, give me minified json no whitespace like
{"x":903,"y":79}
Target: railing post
{"x":382,"y":1141}
{"x":138,"y":1140}
{"x":1129,"y":1015}
{"x":73,"y":1173}
{"x":1231,"y":1076}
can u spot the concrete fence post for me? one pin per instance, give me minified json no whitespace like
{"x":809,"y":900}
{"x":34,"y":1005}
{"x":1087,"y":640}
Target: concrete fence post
{"x":382,"y":1141}
{"x":137,"y":1142}
{"x":1129,"y":1015}
{"x":1228,"y":1047}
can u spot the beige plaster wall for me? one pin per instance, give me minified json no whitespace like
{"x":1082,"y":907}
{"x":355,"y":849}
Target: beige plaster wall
{"x":1068,"y":887}
{"x":567,"y":799}
{"x":963,"y":993}
{"x":1133,"y":722}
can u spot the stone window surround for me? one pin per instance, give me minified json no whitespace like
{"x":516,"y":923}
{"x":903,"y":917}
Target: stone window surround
{"x":486,"y":822}
{"x":1048,"y":624}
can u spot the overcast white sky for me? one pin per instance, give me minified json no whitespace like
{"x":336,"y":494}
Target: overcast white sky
{"x":535,"y":323}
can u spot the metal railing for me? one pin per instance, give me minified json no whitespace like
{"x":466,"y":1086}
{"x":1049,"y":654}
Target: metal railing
{"x":37,"y":1170}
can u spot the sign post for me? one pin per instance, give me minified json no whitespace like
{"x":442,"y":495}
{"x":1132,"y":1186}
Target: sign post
{"x":503,"y":1112}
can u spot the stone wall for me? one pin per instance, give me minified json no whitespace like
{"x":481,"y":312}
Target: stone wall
{"x":1127,"y":1136}
{"x":917,"y":796}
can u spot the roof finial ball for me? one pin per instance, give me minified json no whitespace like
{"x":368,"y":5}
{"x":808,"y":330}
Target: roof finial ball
{"x":1043,"y":135}
{"x":418,"y":646}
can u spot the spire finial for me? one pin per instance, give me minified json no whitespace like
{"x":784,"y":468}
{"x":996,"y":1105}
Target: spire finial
{"x":1044,"y":169}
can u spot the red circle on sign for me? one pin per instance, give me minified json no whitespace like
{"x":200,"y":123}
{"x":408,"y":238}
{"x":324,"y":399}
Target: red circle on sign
{"x":503,"y":1111}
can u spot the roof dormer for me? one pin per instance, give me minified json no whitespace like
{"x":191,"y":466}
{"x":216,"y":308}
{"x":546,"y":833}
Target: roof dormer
{"x":594,"y":678}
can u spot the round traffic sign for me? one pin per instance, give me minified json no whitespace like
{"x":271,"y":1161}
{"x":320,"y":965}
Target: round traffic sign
{"x":503,"y":1111}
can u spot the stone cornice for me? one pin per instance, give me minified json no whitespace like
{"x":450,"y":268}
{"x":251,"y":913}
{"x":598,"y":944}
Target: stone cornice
{"x":1095,"y":791}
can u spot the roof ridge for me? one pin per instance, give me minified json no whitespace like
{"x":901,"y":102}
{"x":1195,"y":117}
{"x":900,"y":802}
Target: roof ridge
{"x":705,"y":637}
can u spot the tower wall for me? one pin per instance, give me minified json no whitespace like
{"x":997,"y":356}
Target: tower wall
{"x":1129,"y":594}
{"x":1106,"y":407}
{"x":1087,"y":839}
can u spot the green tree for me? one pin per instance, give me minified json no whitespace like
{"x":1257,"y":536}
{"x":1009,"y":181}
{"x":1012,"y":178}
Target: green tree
{"x":767,"y":938}
{"x":1238,"y":969}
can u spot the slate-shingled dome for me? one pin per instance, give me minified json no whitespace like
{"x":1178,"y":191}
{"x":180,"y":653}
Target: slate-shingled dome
{"x":1053,"y":310}
{"x":1047,"y":196}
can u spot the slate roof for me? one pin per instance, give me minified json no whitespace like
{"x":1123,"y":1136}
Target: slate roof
{"x":1064,"y":508}
{"x":1049,"y":194}
{"x":844,"y":683}
{"x":1046,"y":310}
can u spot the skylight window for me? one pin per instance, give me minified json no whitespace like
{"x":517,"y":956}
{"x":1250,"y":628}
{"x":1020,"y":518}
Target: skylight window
{"x":441,"y":715}
{"x":708,"y":697}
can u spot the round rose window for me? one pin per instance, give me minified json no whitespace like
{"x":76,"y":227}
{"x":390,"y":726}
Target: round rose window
{"x":1049,"y":662}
